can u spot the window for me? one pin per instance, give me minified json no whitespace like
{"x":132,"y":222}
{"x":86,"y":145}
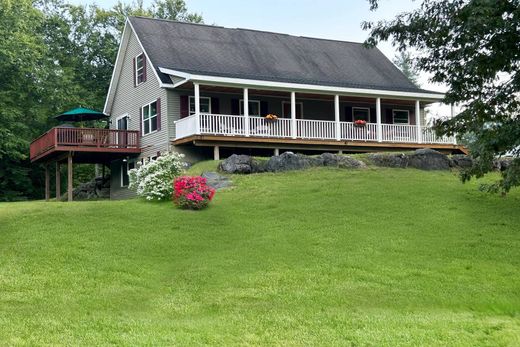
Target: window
{"x":139,"y":69}
{"x":286,"y":109}
{"x":205,"y":105}
{"x":150,"y":118}
{"x":125,"y":167}
{"x":361,"y":113}
{"x":401,"y":116}
{"x":254,"y":107}
{"x":122,"y":122}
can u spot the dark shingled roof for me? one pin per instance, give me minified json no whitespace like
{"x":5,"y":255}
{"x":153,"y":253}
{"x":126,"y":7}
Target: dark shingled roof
{"x":250,"y":54}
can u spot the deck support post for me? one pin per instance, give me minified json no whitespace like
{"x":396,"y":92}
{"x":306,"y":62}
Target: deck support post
{"x":246,"y":112}
{"x":196,"y":89}
{"x":336,"y":117}
{"x":69,"y":177}
{"x":47,"y":183}
{"x":293,"y":115}
{"x":418,"y":120}
{"x":216,"y":153}
{"x":378,"y":120}
{"x":58,"y":181}
{"x":277,"y":151}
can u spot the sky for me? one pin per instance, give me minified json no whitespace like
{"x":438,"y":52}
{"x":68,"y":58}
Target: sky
{"x":330,"y":19}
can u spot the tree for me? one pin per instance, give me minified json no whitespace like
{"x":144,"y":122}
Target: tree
{"x":404,"y":62}
{"x":473,"y":47}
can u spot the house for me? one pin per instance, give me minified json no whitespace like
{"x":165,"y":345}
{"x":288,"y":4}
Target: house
{"x":206,"y":90}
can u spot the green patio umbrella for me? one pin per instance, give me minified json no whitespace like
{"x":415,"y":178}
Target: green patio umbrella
{"x":80,"y":114}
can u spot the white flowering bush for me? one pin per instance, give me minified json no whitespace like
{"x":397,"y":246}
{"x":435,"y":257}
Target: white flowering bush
{"x":154,"y":180}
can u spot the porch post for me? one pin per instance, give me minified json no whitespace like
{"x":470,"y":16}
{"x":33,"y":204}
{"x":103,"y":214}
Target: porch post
{"x":293,"y":115}
{"x":418,"y":120}
{"x":196,"y":88}
{"x":336,"y":117}
{"x":453,"y":115}
{"x":69,"y":177}
{"x":216,"y":153}
{"x":378,"y":120}
{"x":246,"y":111}
{"x":47,"y":183}
{"x":277,"y":151}
{"x":58,"y":181}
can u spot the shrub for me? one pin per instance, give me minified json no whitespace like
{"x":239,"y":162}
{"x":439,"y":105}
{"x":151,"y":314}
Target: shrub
{"x":153,"y":180}
{"x":192,"y":192}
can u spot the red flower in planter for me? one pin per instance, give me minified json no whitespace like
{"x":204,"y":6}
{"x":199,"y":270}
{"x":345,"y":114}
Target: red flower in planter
{"x":360,"y":123}
{"x":192,"y":192}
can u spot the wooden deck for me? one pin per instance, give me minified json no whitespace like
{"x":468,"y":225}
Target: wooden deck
{"x":303,"y":144}
{"x":89,"y":145}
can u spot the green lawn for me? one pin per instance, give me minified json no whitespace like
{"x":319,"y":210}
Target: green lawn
{"x":324,"y":257}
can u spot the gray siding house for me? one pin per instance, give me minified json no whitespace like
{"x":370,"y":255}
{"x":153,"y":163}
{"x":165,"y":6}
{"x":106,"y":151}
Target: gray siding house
{"x":206,"y":90}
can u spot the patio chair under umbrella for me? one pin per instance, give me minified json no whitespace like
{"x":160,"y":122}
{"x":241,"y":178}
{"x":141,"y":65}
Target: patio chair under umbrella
{"x":80,"y":114}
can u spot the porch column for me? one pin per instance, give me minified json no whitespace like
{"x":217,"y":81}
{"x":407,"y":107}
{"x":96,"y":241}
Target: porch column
{"x":293,"y":115}
{"x":453,"y":115}
{"x":196,"y":88}
{"x":58,"y":181}
{"x":47,"y":183}
{"x":378,"y":120}
{"x":418,"y":120}
{"x":216,"y":153}
{"x":246,"y":111}
{"x":277,"y":151}
{"x":69,"y":177}
{"x":336,"y":117}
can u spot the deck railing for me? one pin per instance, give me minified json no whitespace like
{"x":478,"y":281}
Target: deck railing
{"x":109,"y":139}
{"x":232,"y":125}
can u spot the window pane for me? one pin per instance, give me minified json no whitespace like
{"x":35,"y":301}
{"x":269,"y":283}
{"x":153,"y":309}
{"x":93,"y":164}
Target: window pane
{"x":146,"y":112}
{"x":254,"y":108}
{"x":153,"y":121}
{"x":139,"y":62}
{"x":153,"y":108}
{"x":146,"y":126}
{"x":361,"y":114}
{"x":192,"y":105}
{"x":204,"y":105}
{"x":401,"y":117}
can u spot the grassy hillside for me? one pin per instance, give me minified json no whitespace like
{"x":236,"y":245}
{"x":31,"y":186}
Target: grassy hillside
{"x":321,"y":257}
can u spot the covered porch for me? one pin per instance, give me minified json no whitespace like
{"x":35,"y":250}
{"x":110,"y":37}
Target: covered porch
{"x":230,"y":114}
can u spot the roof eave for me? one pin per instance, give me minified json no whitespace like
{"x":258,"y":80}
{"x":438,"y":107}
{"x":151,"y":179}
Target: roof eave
{"x":302,"y":88}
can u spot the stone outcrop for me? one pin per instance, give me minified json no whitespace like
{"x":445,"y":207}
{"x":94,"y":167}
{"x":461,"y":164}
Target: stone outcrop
{"x":216,"y":181}
{"x":428,"y":159}
{"x":395,"y":160}
{"x":461,"y":161}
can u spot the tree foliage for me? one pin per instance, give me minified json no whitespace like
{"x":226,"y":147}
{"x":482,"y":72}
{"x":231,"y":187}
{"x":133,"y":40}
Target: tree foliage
{"x":473,"y":47}
{"x":55,"y":56}
{"x":404,"y":62}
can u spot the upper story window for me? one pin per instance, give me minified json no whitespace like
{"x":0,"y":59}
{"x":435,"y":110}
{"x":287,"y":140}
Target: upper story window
{"x":205,"y":105}
{"x":150,"y":122}
{"x":401,"y":116}
{"x":361,"y":113}
{"x":140,"y":69}
{"x":254,"y":107}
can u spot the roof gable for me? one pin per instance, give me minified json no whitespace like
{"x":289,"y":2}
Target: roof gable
{"x":250,"y":54}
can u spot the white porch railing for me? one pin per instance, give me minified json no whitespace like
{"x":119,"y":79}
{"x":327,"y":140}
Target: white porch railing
{"x":232,"y":125}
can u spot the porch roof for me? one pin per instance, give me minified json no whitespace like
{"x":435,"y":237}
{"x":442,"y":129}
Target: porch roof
{"x":208,"y":50}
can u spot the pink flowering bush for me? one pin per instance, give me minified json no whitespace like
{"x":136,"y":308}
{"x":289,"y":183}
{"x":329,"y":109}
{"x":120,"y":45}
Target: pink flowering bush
{"x":192,"y":192}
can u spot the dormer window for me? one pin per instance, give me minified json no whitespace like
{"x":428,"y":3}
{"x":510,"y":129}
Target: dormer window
{"x":140,"y":69}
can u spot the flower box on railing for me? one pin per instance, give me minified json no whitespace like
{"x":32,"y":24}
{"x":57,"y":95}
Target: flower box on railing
{"x":360,"y":123}
{"x":271,"y":118}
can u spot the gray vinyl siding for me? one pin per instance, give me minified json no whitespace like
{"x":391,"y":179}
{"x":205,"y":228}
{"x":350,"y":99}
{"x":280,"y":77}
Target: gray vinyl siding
{"x":128,"y":100}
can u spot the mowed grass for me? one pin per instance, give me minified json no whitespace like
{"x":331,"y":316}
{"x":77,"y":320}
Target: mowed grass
{"x":323,"y":257}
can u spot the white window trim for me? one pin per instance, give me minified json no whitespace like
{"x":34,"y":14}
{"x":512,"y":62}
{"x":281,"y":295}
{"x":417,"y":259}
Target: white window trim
{"x":137,"y":69}
{"x":398,"y":110}
{"x":241,"y":108}
{"x":142,"y":120}
{"x":127,"y":162}
{"x":361,"y":108}
{"x":193,"y":98}
{"x":288,"y":102}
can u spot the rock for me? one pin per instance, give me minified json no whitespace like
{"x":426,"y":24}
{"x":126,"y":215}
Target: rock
{"x":342,"y":161}
{"x":503,"y":163}
{"x":98,"y":188}
{"x":216,"y":181}
{"x":237,"y":164}
{"x":395,"y":160}
{"x":288,"y":161}
{"x":428,"y":159}
{"x":461,"y":161}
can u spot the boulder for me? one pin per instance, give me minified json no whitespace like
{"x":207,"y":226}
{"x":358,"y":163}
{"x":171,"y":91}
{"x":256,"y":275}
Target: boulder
{"x":461,"y":161}
{"x":237,"y":164}
{"x":342,"y":161}
{"x":428,"y":159}
{"x":97,"y":188}
{"x":216,"y":181}
{"x":503,"y":163}
{"x":288,"y":161}
{"x":395,"y":160}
